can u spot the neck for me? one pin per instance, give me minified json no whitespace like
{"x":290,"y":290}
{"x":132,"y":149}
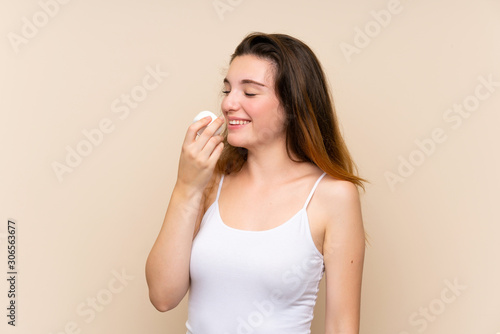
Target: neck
{"x":269,"y":164}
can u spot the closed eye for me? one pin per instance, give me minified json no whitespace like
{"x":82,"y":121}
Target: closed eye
{"x":246,"y":94}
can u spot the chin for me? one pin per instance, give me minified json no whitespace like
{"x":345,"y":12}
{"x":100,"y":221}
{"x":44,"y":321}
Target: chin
{"x":236,"y":142}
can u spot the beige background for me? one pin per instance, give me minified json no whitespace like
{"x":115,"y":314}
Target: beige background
{"x":438,"y":227}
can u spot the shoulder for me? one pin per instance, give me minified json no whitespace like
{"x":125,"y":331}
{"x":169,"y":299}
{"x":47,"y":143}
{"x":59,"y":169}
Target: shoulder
{"x":332,"y":192}
{"x":338,"y":204}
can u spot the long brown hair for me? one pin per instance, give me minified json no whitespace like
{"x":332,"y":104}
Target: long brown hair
{"x":312,"y":131}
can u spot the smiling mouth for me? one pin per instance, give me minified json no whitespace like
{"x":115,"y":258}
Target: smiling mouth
{"x":238,"y":122}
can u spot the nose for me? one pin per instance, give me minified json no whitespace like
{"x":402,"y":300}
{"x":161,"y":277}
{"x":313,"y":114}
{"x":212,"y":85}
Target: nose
{"x":230,"y":102}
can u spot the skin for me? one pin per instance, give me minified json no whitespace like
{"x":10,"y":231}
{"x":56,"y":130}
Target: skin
{"x":274,"y":184}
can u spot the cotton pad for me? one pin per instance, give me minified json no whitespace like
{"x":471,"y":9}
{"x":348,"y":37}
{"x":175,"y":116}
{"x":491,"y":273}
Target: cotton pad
{"x":204,"y":114}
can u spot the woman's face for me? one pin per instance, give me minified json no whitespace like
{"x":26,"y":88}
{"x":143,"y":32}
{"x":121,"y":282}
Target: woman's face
{"x":250,"y":105}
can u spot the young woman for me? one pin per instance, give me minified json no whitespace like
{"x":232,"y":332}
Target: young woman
{"x":259,"y":213}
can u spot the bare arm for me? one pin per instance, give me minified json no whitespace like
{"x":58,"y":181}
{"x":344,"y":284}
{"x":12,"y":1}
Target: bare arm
{"x":167,"y":266}
{"x":344,"y":250}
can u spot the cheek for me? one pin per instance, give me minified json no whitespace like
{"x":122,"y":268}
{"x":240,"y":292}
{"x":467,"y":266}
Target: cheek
{"x":266,"y":114}
{"x":272,"y":122}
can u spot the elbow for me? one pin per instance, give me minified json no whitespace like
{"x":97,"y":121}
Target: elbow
{"x":165,"y":297}
{"x":162,"y":305}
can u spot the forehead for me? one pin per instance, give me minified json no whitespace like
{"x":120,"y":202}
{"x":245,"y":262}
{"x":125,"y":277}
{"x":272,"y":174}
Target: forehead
{"x":252,"y":68}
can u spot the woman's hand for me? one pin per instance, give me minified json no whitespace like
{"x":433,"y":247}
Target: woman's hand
{"x":199,"y":156}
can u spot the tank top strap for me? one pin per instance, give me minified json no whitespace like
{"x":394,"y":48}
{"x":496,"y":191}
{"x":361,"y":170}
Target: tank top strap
{"x":313,"y":189}
{"x":220,"y":186}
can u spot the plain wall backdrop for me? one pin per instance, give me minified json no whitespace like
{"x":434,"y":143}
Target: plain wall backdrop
{"x":96,"y":97}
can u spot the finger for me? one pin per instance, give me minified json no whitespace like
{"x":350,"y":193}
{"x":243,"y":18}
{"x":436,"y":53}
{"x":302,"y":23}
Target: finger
{"x":194,"y":128}
{"x":214,"y":157}
{"x":209,"y":147}
{"x":211,"y":129}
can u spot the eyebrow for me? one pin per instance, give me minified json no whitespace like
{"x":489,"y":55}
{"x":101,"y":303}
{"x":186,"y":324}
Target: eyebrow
{"x":247,"y":81}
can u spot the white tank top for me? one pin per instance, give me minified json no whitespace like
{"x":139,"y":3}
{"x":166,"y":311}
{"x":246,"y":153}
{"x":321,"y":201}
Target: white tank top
{"x":254,"y":282}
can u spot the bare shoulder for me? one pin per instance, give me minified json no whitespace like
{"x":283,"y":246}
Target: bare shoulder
{"x":336,"y":193}
{"x":339,"y":189}
{"x":338,"y":211}
{"x":338,"y":204}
